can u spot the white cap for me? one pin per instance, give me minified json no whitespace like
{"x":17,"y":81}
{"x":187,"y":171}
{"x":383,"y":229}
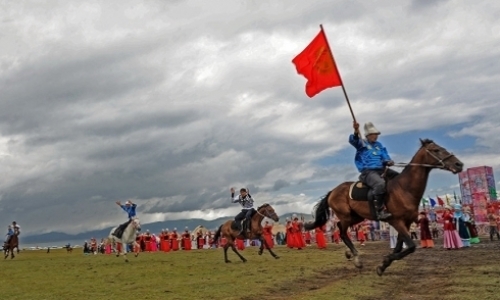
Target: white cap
{"x":370,"y":129}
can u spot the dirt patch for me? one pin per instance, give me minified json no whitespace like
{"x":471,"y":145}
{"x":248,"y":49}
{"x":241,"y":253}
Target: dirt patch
{"x":426,"y":274}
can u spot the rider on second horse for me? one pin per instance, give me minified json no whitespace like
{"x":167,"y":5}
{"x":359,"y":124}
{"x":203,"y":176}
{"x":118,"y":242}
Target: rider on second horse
{"x":130,"y":208}
{"x":246,"y":202}
{"x":371,"y":159}
{"x":10,"y":232}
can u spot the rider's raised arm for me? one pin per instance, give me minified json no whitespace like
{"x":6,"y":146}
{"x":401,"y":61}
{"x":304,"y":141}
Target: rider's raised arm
{"x":235,"y":199}
{"x":124,"y":207}
{"x":355,"y":141}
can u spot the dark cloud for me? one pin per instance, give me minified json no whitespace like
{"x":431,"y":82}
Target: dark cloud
{"x":279,"y":184}
{"x":417,"y":5}
{"x":171,"y":104}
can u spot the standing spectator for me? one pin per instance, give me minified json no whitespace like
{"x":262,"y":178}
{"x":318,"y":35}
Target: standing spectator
{"x":413,"y":231}
{"x":434,"y":229}
{"x":492,"y":219}
{"x":451,"y":239}
{"x":425,"y":233}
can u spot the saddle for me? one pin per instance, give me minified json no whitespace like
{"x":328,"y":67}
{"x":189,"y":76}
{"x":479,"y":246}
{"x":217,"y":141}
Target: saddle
{"x":245,"y":224}
{"x":358,"y":191}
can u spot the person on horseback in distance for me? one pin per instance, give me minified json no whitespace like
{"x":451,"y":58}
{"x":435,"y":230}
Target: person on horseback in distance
{"x":10,"y":232}
{"x":130,"y":208}
{"x":371,"y":159}
{"x":246,"y":202}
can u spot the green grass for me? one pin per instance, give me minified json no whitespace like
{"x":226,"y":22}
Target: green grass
{"x":202,"y":274}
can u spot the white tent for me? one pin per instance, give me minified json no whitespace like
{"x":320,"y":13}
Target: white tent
{"x":199,"y":228}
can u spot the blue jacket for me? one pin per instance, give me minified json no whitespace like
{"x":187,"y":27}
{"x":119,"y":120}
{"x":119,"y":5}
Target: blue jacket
{"x":10,"y":232}
{"x":130,"y":210}
{"x":369,"y":156}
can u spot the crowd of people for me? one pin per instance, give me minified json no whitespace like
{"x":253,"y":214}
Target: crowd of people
{"x":455,"y":226}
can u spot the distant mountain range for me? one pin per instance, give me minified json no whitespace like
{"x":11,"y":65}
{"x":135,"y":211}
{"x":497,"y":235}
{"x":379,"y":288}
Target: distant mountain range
{"x":58,"y":237}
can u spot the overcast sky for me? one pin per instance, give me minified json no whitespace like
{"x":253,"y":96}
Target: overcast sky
{"x":171,"y":103}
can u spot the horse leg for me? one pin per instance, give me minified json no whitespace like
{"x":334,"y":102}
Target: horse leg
{"x":136,"y":249}
{"x":114,"y":248}
{"x":399,"y":245}
{"x":124,"y":252}
{"x":403,"y":236}
{"x":237,"y":253}
{"x":343,"y":226}
{"x":263,"y":242}
{"x":225,"y":252}
{"x":261,"y":249}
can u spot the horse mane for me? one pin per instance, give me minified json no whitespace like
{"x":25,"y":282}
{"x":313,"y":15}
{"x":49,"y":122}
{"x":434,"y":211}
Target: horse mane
{"x":263,"y":205}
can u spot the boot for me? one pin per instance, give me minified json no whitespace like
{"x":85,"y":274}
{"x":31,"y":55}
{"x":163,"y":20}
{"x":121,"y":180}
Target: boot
{"x":381,"y":212}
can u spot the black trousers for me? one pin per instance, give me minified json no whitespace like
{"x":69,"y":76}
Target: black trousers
{"x":374,"y":179}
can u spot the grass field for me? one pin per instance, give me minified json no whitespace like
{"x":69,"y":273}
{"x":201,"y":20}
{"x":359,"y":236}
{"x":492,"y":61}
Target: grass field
{"x":472,"y":273}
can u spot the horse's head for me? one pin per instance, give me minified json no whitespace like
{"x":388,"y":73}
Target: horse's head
{"x":268,"y":211}
{"x":439,"y":157}
{"x":136,"y":224}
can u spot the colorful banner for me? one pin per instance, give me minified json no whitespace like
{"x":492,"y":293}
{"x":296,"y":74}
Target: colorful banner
{"x":465,"y":188}
{"x":490,"y":182}
{"x":477,"y":186}
{"x":477,"y":180}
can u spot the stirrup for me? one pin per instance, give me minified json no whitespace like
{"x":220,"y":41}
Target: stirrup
{"x":382,"y":215}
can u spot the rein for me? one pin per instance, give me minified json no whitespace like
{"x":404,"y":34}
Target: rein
{"x":440,"y":161}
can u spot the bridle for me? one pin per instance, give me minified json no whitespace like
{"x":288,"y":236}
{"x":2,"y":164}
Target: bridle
{"x":135,"y":223}
{"x":440,"y":161}
{"x":264,"y":215}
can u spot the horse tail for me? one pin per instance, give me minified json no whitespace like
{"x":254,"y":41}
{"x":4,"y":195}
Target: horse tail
{"x":321,"y":214}
{"x":217,"y":235}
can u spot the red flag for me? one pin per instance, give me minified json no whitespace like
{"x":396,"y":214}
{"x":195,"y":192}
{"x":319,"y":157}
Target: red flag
{"x":316,"y":63}
{"x":440,"y":201}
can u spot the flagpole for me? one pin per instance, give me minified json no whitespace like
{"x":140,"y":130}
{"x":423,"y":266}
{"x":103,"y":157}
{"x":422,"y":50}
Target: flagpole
{"x":338,"y":73}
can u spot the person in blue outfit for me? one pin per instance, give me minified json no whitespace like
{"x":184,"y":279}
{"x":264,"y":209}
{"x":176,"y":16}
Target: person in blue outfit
{"x":129,"y":208}
{"x":10,"y":232}
{"x":371,"y":160}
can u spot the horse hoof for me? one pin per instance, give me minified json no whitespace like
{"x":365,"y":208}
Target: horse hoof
{"x":137,"y":254}
{"x":276,"y":257}
{"x":126,"y":260}
{"x":380,"y":271}
{"x":228,"y":261}
{"x":260,"y":252}
{"x":358,"y":263}
{"x":244,"y":261}
{"x":348,"y":254}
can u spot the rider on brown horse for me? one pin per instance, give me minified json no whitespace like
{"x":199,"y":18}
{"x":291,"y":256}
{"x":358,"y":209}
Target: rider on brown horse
{"x":371,"y":159}
{"x":246,"y":202}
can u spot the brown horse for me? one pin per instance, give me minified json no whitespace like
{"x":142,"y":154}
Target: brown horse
{"x":404,"y":193}
{"x":9,"y":246}
{"x":227,"y":231}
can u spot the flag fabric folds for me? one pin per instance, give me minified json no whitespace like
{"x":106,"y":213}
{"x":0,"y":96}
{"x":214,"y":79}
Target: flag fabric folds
{"x":440,"y":201}
{"x":316,"y":64}
{"x":433,"y":202}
